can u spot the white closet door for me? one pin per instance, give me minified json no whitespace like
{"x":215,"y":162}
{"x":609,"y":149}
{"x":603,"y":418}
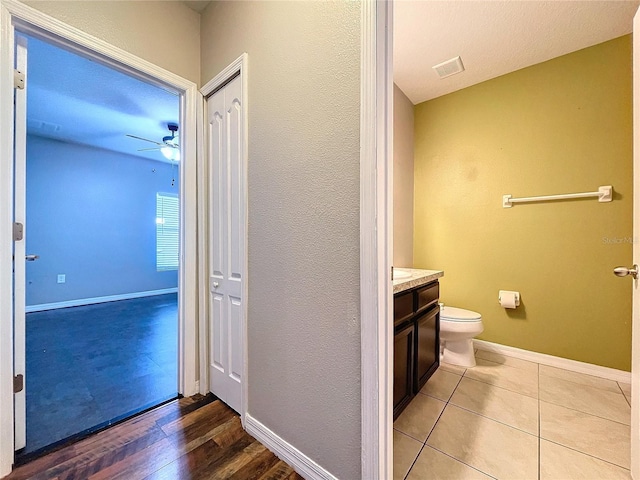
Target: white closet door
{"x":226,"y":242}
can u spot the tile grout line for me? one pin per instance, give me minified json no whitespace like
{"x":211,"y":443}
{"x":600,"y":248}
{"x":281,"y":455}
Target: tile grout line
{"x":539,"y":374}
{"x":424,"y":444}
{"x":407,"y":435}
{"x":414,"y":461}
{"x":584,"y":384}
{"x":556,"y":368}
{"x":568,"y":408}
{"x":460,"y":461}
{"x":499,"y":386}
{"x":434,"y":426}
{"x":556,"y":377}
{"x":583,"y":412}
{"x":586,"y":454}
{"x":493,"y":420}
{"x":623,"y":394}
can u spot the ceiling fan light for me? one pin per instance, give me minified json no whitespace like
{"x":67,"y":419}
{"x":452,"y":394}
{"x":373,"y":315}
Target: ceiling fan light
{"x":168,"y":153}
{"x":171,"y":153}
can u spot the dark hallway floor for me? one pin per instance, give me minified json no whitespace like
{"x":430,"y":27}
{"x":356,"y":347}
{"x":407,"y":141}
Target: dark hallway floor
{"x":196,"y":438}
{"x":94,"y":365}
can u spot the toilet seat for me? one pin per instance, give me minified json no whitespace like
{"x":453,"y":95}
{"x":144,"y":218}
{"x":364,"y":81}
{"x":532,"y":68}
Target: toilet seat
{"x":454,"y":314}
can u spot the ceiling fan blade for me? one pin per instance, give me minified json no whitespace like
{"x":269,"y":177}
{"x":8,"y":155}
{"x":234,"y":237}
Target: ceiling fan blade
{"x":148,"y":149}
{"x":145,"y":139}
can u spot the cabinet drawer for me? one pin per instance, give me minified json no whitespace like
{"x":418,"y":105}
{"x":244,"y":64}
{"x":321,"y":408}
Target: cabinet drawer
{"x":428,"y":296}
{"x":402,"y":308}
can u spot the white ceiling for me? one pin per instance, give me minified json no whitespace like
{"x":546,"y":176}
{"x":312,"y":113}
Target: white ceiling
{"x":494,"y":37}
{"x":74,"y":99}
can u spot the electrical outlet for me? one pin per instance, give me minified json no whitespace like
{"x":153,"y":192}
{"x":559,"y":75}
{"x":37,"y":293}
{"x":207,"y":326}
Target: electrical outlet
{"x":62,"y":278}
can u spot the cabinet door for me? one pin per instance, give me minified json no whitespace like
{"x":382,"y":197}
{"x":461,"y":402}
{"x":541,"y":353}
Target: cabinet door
{"x":427,"y":347}
{"x":403,"y":346}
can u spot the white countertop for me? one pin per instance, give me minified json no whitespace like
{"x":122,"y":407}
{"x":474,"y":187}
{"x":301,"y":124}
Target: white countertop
{"x":418,"y":277}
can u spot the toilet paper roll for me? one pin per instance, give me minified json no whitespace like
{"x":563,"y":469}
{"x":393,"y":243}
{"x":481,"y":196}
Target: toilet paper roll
{"x":509,"y":299}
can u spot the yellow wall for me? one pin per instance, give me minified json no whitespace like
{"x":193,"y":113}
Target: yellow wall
{"x":557,"y":127}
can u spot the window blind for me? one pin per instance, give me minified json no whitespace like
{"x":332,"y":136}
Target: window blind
{"x":167,"y":231}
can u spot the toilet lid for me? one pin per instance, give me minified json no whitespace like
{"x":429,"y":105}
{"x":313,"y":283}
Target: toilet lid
{"x":453,"y":314}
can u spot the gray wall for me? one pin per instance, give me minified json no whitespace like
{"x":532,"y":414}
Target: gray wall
{"x":91,"y":216}
{"x":402,"y":179}
{"x":304,"y":293}
{"x":164,"y":33}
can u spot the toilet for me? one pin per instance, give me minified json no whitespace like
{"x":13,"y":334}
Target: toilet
{"x":457,"y":329}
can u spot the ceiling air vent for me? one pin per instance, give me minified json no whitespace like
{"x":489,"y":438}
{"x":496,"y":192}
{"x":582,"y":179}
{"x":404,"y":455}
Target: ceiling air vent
{"x":41,"y":126}
{"x":450,"y":67}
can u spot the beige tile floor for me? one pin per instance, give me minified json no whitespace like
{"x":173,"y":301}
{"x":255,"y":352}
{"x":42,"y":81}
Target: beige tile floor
{"x":512,"y":419}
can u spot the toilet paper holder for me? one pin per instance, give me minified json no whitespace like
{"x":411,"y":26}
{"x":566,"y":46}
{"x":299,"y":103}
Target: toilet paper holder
{"x":505,"y":297}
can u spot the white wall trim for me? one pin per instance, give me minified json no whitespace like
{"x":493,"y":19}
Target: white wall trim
{"x":553,"y":361}
{"x":239,"y":65}
{"x":94,"y":300}
{"x":188,"y":350}
{"x":37,"y":23}
{"x":31,"y":20}
{"x":286,"y":452}
{"x":203,"y":242}
{"x":376,"y":239}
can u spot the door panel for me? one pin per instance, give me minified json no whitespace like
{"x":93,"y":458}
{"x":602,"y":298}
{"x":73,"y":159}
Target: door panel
{"x":217,"y":206}
{"x":19,"y":252}
{"x":226,"y":241}
{"x":217,"y":342}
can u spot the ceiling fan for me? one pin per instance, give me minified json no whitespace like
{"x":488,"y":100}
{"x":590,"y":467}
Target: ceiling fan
{"x":169,"y":147}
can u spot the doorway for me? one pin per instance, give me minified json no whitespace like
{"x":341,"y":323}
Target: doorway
{"x":97,"y":193}
{"x":470,"y":169}
{"x":15,"y":18}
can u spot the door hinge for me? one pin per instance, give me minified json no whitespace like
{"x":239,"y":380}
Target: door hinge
{"x":18,"y":383}
{"x":19,"y":79}
{"x":18,"y":231}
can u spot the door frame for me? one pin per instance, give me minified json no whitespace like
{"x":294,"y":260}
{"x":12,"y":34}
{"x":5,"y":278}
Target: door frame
{"x":238,"y":67}
{"x":376,"y":238}
{"x":15,"y":14}
{"x":635,"y":316}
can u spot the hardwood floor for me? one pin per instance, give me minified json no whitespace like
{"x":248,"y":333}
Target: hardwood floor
{"x":75,"y":365}
{"x":194,"y":438}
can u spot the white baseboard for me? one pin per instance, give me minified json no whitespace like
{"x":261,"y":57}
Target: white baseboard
{"x":286,"y":452}
{"x":558,"y":362}
{"x":90,"y":301}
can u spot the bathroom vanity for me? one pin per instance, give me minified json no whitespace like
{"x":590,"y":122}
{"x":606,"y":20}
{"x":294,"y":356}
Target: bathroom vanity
{"x":416,"y":353}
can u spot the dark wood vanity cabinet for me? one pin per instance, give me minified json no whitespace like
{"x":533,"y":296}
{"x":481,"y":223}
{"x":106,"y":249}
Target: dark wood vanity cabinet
{"x":416,"y":353}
